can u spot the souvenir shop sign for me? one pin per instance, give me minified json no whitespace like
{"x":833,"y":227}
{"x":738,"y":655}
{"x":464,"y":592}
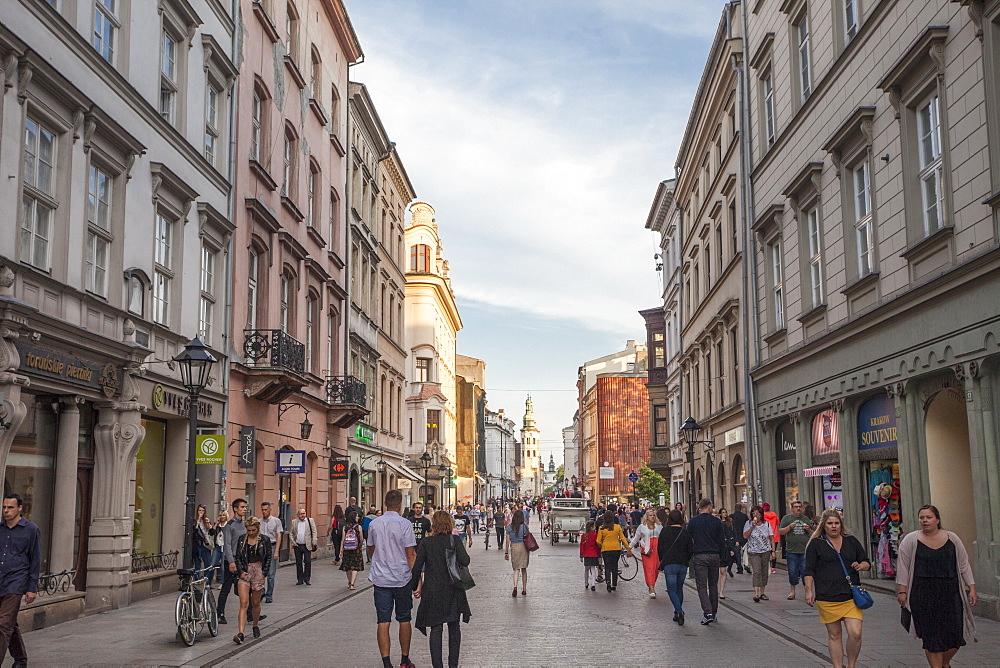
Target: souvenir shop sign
{"x":825,"y":433}
{"x":784,"y":442}
{"x":877,"y":424}
{"x":106,"y":378}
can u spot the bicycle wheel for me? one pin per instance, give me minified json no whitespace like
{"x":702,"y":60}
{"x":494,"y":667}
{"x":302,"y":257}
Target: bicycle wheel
{"x":546,"y":530}
{"x":187,"y":629}
{"x":628,"y":566}
{"x":213,"y":615}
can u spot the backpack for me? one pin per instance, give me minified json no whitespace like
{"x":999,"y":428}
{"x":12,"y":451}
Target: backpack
{"x":351,"y":539}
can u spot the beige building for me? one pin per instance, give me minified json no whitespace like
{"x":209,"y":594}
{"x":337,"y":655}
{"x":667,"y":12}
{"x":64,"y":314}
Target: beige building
{"x":876,"y":182}
{"x":432,"y":326}
{"x":115,"y":123}
{"x":380,"y":191}
{"x":707,"y":190}
{"x":531,"y":471}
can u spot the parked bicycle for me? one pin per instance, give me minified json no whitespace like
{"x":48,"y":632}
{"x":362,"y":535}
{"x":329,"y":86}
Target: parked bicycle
{"x":195,"y":606}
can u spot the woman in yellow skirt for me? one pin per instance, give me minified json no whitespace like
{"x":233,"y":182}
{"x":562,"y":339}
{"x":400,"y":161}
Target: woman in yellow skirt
{"x":829,"y":591}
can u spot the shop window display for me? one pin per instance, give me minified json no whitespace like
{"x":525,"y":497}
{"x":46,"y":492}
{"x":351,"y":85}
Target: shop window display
{"x":30,"y":469}
{"x":885,"y":517}
{"x":147,"y":522}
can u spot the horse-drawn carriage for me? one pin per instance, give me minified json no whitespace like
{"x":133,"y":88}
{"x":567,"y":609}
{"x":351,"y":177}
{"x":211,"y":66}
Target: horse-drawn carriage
{"x":566,"y":518}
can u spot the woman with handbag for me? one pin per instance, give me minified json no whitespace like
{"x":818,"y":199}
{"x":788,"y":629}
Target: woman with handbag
{"x":833,"y":559}
{"x":253,"y":559}
{"x":675,"y":549}
{"x":760,"y":544}
{"x":646,"y":536}
{"x":442,"y":600}
{"x":932,"y":575}
{"x":516,"y":552}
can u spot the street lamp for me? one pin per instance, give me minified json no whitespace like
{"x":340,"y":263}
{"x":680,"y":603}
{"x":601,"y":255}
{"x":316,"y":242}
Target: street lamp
{"x":443,"y":470}
{"x":690,"y":431}
{"x":426,"y":460}
{"x":489,"y":486}
{"x":195,"y":364}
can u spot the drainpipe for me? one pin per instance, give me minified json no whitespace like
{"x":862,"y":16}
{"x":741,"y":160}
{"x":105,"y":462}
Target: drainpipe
{"x":750,"y":316}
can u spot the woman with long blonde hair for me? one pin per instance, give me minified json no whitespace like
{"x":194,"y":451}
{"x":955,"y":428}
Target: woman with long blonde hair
{"x":646,"y":536}
{"x":830,"y":550}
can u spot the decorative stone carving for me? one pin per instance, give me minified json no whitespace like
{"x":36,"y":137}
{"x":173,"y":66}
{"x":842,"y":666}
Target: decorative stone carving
{"x":24,"y":72}
{"x":959,"y":372}
{"x":128,"y":331}
{"x":6,"y":281}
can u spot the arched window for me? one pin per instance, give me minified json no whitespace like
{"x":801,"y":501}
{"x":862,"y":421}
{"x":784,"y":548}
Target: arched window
{"x":312,"y":331}
{"x":288,"y":173}
{"x":312,"y":206}
{"x":420,"y":258}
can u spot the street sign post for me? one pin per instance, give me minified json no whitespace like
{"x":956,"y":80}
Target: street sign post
{"x":633,"y":477}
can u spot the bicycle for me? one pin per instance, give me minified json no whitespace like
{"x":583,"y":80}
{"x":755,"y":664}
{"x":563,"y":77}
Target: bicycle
{"x":628,"y":566}
{"x":195,"y":607}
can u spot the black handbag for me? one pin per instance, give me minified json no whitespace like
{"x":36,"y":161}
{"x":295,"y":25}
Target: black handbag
{"x":904,"y":618}
{"x":459,"y":576}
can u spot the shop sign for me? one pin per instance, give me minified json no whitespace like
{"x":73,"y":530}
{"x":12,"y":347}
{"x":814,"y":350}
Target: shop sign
{"x":210,"y":449}
{"x":178,"y":403}
{"x":248,"y":448}
{"x":877,"y":424}
{"x":403,"y":483}
{"x":825,"y":433}
{"x":734,"y":436}
{"x":365,"y":434}
{"x":339,"y":469}
{"x":291,"y":461}
{"x":106,"y":378}
{"x":607,"y":473}
{"x":784,"y":442}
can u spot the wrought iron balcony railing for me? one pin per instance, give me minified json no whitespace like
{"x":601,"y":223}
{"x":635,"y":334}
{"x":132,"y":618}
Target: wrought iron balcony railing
{"x":273,"y":349}
{"x":51,"y":584}
{"x":345,"y":391}
{"x":147,"y":563}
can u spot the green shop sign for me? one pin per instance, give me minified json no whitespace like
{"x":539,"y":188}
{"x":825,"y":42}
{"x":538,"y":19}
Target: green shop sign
{"x":210,"y":449}
{"x":365,"y":434}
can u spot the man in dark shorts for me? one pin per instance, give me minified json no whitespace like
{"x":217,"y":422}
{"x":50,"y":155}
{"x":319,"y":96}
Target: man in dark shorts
{"x":392,"y":551}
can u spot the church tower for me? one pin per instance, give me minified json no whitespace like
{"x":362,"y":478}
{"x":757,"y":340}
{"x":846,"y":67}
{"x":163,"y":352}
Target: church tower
{"x":531,"y":471}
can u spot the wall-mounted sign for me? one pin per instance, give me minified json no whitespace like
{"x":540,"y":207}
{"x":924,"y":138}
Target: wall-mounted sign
{"x":248,"y":448}
{"x":365,"y":434}
{"x":825,"y":433}
{"x":606,"y":473}
{"x":291,"y":461}
{"x":403,"y":483}
{"x":877,"y":424}
{"x":165,"y":400}
{"x":784,"y":443}
{"x":106,"y":378}
{"x":339,"y":469}
{"x":734,"y":436}
{"x":210,"y":449}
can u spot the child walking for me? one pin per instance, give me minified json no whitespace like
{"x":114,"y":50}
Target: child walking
{"x":590,"y":555}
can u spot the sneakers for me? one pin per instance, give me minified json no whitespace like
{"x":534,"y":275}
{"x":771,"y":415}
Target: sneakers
{"x":407,"y":664}
{"x":593,"y":588}
{"x":256,"y":632}
{"x":680,"y":618}
{"x":222,"y":618}
{"x":708,"y":620}
{"x":652,"y":594}
{"x":238,"y":638}
{"x":773,"y":571}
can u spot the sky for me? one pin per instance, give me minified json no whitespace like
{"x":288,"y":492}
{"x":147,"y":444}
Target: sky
{"x":539,"y":131}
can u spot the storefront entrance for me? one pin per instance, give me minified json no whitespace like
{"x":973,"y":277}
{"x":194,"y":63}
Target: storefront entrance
{"x":949,"y":463}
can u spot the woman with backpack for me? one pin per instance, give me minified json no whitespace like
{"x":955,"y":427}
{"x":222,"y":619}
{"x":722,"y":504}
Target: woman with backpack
{"x":352,"y":561}
{"x":336,"y":532}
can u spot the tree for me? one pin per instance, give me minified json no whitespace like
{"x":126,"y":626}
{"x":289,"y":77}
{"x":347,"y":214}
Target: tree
{"x":651,"y":484}
{"x":560,"y":473}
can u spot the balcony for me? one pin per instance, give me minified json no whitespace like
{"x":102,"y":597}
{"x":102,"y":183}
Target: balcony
{"x":275,"y":364}
{"x":348,"y":399}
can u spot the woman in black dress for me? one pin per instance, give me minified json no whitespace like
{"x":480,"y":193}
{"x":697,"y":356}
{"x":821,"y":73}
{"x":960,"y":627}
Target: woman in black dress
{"x":440,"y":602}
{"x":932,"y":574}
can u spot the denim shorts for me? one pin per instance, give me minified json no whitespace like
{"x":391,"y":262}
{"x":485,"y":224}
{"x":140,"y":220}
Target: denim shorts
{"x":388,"y":597}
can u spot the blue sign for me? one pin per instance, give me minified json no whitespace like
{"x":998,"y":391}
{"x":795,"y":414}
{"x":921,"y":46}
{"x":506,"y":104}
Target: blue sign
{"x":633,"y":477}
{"x":291,"y":461}
{"x":877,"y":424}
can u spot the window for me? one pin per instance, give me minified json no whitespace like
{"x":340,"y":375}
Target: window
{"x":38,"y":200}
{"x":720,"y":374}
{"x":162,"y":268}
{"x":720,"y":256}
{"x":708,"y":268}
{"x":253,"y":273}
{"x":331,"y":233}
{"x":777,"y":285}
{"x":334,"y":110}
{"x":106,"y":26}
{"x":734,"y":230}
{"x":168,"y":77}
{"x":735,"y":356}
{"x":767,"y":84}
{"x":285,"y":304}
{"x":288,"y":170}
{"x":931,"y":165}
{"x":312,"y":315}
{"x":660,"y":426}
{"x":292,"y":31}
{"x":850,"y":19}
{"x":256,"y":112}
{"x":709,"y":382}
{"x":420,"y":258}
{"x":99,"y":186}
{"x":311,"y":187}
{"x":433,"y":426}
{"x":211,"y":123}
{"x":206,"y":305}
{"x":423,"y":369}
{"x":815,"y":256}
{"x":315,"y":75}
{"x":659,"y":356}
{"x":863,"y":224}
{"x":802,"y":49}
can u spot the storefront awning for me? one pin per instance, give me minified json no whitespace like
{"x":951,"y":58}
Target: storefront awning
{"x":480,"y":478}
{"x":818,"y":471}
{"x":405,"y":472}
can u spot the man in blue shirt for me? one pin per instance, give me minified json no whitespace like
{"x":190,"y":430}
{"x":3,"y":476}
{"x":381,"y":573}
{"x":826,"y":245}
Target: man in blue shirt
{"x":392,"y":551}
{"x":20,"y":560}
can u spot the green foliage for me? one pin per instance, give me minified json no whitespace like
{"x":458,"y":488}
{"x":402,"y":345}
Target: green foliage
{"x":560,"y":473}
{"x":651,"y":484}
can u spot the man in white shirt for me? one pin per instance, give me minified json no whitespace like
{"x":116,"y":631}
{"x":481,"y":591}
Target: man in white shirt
{"x":303,"y":534}
{"x":392,"y":550}
{"x":270,"y":526}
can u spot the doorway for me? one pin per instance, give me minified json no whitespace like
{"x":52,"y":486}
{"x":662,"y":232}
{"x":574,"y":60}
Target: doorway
{"x":949,"y":464}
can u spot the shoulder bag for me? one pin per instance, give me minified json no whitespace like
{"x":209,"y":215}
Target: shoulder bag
{"x":530,"y":544}
{"x":862,"y":598}
{"x":459,"y":576}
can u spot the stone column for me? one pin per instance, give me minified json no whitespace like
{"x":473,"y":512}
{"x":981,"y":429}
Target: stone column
{"x":12,"y":409}
{"x":914,"y":485}
{"x":118,"y":434}
{"x":809,"y":490}
{"x":855,"y":491}
{"x":64,"y":497}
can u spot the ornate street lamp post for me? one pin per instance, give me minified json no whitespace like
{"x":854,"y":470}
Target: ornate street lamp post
{"x":195,"y":364}
{"x":426,"y":460}
{"x":691,"y":430}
